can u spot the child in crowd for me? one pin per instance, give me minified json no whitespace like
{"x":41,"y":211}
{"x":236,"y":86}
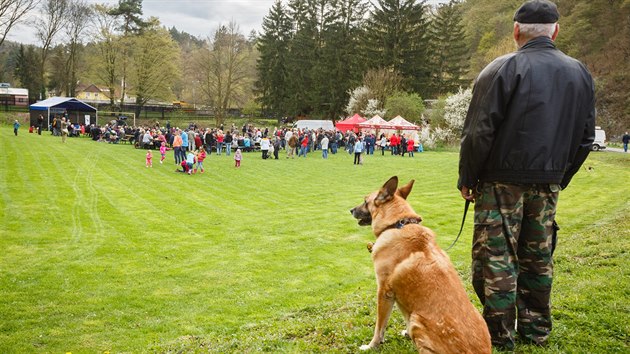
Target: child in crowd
{"x":358,"y":149}
{"x":238,"y":156}
{"x":201,"y":155}
{"x":16,"y":126}
{"x":149,"y":162}
{"x":190,"y":161}
{"x":163,"y":149}
{"x":271,"y":150}
{"x":184,"y":169}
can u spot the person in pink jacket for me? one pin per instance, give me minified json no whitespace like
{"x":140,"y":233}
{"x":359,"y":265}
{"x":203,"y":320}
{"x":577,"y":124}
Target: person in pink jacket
{"x":163,"y":149}
{"x":149,"y":158}
{"x":238,"y":156}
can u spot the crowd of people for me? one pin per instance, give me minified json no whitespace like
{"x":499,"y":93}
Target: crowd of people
{"x":296,"y":142}
{"x":191,"y":145}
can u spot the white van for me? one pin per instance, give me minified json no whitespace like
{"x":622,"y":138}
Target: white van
{"x":314,"y":124}
{"x":600,"y":139}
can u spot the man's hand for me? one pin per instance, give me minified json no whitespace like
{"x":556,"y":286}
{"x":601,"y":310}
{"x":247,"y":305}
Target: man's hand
{"x":467,"y":194}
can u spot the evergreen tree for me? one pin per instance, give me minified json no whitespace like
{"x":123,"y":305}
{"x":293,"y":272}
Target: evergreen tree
{"x":273,"y":45}
{"x":131,"y":13}
{"x":341,"y":65}
{"x":449,"y":51}
{"x":27,"y":71}
{"x":303,"y":56}
{"x":396,"y":38}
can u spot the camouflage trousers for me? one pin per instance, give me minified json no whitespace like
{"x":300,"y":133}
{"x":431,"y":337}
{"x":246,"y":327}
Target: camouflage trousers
{"x":512,"y":259}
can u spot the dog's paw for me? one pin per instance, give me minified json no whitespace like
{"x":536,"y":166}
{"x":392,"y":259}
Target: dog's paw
{"x":365,"y":347}
{"x":370,"y":245}
{"x":404,"y":333}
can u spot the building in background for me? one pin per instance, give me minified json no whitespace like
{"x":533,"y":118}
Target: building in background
{"x":12,"y":96}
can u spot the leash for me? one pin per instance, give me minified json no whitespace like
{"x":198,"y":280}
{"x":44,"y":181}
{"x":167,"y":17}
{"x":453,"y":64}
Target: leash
{"x":461,"y":228}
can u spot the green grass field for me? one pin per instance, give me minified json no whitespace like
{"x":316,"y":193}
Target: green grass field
{"x":100,"y":254}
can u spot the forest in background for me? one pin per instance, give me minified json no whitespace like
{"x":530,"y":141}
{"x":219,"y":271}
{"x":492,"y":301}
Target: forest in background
{"x":310,"y":55}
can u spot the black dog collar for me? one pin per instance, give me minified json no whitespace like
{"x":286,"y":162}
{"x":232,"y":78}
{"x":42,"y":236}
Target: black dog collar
{"x":406,"y":221}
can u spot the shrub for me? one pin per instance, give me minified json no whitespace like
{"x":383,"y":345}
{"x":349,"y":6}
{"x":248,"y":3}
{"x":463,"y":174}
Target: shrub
{"x":448,"y":128}
{"x":456,"y":109}
{"x":359,"y":98}
{"x":407,"y":105}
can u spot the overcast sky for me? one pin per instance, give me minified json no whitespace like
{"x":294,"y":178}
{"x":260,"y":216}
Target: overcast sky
{"x":197,"y":17}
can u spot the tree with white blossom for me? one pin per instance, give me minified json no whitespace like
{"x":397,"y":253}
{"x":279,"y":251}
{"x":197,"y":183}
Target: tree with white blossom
{"x":372,"y":109}
{"x":456,"y":109}
{"x":359,"y":99}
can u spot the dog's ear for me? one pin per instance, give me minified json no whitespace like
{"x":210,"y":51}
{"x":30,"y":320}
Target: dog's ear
{"x":388,"y":190}
{"x":405,"y":190}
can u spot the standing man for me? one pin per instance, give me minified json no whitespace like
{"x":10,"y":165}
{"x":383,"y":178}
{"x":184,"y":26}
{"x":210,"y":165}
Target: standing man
{"x":292,"y":144}
{"x":40,"y":124}
{"x":529,"y":128}
{"x":191,"y":139}
{"x":324,"y":144}
{"x":625,"y":139}
{"x":65,"y":123}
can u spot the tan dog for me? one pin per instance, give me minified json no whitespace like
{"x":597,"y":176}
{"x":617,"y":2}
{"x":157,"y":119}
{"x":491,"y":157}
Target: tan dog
{"x":413,"y":272}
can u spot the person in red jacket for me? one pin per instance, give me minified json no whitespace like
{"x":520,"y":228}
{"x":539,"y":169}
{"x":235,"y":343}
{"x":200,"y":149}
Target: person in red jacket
{"x":303,"y":146}
{"x":219,"y":142}
{"x":410,"y":145}
{"x":201,"y":155}
{"x":393,"y":144}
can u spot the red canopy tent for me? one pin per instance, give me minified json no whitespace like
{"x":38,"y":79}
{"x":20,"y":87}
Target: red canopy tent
{"x":351,"y":123}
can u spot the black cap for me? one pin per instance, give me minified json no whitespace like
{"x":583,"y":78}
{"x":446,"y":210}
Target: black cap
{"x":537,"y":11}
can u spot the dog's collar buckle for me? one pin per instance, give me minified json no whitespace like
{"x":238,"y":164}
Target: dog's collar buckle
{"x":406,"y":221}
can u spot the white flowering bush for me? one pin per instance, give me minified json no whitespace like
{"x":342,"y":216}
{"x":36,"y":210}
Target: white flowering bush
{"x":450,"y":129}
{"x":359,"y":99}
{"x":434,"y":137}
{"x":456,"y":109}
{"x":372,"y":109}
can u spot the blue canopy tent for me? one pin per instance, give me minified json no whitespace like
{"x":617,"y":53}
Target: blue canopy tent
{"x":74,"y":109}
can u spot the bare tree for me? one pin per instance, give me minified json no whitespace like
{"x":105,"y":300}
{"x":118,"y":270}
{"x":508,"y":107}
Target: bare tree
{"x":225,"y":69}
{"x":108,"y":43}
{"x":11,"y":13}
{"x":54,"y":13}
{"x":382,"y":83}
{"x":79,"y":14}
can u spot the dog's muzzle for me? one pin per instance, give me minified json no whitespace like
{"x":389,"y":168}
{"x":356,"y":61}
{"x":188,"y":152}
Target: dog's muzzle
{"x":361,"y":214}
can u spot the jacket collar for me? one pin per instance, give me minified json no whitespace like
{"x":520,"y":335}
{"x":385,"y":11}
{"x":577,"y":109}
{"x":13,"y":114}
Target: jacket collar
{"x":539,"y":42}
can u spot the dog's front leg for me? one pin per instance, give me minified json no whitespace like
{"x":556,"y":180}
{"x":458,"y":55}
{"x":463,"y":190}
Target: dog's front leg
{"x":384,"y":307}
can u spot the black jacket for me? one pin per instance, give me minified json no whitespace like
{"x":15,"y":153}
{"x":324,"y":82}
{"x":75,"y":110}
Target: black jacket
{"x":531,"y":119}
